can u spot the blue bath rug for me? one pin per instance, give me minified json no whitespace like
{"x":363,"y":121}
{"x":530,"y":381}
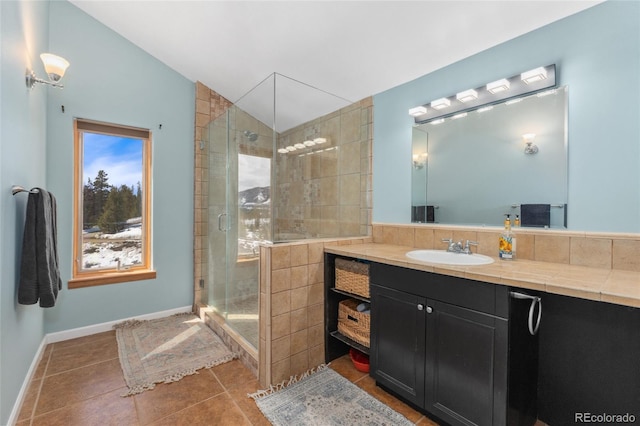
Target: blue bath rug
{"x":324,"y":398}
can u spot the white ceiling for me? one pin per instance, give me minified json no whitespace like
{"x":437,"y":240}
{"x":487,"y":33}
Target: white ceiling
{"x":352,"y":49}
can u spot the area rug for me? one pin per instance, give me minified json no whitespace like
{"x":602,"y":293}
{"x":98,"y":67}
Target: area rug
{"x":322,"y":398}
{"x":165,"y":350}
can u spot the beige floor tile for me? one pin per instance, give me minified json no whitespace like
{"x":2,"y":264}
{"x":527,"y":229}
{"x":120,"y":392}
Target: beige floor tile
{"x":168,"y":398}
{"x":107,"y":409}
{"x":219,"y":410}
{"x":78,"y":385}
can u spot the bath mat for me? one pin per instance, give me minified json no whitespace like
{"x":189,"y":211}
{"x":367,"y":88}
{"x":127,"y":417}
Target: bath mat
{"x":322,"y":398}
{"x":165,"y":350}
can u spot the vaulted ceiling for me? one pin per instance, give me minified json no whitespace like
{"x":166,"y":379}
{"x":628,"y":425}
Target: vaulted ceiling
{"x":352,"y":49}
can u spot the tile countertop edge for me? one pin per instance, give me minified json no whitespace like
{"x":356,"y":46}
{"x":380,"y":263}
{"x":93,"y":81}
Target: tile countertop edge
{"x":620,"y":288}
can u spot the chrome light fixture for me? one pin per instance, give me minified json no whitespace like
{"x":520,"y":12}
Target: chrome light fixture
{"x":530,"y":147}
{"x":54,"y":65}
{"x":509,"y":90}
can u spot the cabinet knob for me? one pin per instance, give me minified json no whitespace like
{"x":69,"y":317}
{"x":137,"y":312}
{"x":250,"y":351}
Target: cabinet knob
{"x":429,"y":309}
{"x":420,"y":306}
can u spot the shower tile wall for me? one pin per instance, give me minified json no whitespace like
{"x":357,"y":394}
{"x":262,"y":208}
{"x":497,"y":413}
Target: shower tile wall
{"x":325,"y":190}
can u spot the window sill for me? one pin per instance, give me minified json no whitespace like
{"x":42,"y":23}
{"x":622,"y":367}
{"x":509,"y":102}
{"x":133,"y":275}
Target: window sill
{"x":111,"y":278}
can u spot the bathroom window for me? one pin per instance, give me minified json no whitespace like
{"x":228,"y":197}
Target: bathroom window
{"x":112,"y":193}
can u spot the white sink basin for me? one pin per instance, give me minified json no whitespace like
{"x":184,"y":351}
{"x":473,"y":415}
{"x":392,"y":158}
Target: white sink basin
{"x":448,"y":258}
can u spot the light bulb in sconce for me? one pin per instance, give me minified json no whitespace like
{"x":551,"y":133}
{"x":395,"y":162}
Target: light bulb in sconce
{"x":530,"y":147}
{"x":419,"y":160}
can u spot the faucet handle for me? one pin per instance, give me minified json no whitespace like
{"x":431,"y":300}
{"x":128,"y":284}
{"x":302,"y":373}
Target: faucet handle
{"x":467,"y":248}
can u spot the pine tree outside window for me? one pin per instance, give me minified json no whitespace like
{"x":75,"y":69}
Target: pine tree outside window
{"x":112,"y":217}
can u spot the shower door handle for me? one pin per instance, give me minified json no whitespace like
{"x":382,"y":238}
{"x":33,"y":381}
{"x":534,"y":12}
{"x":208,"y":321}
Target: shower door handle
{"x":220,"y":222}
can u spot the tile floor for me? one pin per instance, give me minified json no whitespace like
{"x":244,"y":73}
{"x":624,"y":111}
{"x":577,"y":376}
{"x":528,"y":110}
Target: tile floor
{"x":79,"y":382}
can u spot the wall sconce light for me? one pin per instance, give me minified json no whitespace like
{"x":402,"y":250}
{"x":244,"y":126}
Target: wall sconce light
{"x":419,"y":160}
{"x":530,"y":147}
{"x":504,"y":90}
{"x":54,"y":65}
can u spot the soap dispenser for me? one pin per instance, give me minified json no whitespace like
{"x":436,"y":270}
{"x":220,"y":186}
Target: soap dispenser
{"x":507,"y":241}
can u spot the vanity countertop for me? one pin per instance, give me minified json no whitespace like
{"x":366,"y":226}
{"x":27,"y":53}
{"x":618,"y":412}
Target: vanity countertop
{"x":603,"y":285}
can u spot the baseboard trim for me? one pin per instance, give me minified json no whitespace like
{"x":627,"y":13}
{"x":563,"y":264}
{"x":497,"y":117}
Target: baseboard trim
{"x":107,"y":326}
{"x":73,"y":334}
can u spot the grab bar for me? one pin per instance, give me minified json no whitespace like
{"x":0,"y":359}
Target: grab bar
{"x":557,"y":206}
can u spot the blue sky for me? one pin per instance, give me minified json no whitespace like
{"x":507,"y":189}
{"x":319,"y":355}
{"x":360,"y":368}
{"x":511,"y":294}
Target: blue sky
{"x":120,"y":157}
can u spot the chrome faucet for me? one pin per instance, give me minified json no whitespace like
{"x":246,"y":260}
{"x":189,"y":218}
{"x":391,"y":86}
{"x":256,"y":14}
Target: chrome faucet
{"x":457,"y":247}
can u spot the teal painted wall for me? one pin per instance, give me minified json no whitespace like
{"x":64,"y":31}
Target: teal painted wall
{"x":597,"y":54}
{"x":22,"y":162}
{"x":112,"y":80}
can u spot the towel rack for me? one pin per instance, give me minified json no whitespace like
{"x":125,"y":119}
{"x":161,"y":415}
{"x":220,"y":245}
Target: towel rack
{"x":559,"y":206}
{"x":15,"y":189}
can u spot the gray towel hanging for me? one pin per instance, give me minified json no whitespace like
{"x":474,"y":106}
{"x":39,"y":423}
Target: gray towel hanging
{"x":39,"y":270}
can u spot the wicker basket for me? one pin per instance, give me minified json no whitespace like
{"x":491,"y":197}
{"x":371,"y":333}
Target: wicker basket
{"x":353,"y":324}
{"x":352,"y":277}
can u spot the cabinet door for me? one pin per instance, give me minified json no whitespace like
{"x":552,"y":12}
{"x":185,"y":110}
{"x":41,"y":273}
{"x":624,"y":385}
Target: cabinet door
{"x":397,"y":342}
{"x":466,"y":361}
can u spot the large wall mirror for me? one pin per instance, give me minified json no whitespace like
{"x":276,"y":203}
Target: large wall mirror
{"x":476,"y":168}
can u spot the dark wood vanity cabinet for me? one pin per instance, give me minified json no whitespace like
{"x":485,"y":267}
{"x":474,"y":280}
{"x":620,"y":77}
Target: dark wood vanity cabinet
{"x":397,"y":352}
{"x":442,"y":344}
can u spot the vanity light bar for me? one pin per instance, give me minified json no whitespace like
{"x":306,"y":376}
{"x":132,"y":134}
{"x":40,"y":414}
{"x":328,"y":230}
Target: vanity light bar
{"x":498,"y":91}
{"x":303,"y":145}
{"x":461,"y":115}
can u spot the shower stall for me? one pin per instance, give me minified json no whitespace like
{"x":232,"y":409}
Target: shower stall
{"x":285,"y":162}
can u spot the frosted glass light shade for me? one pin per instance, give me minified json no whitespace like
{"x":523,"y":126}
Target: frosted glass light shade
{"x":467,"y":96}
{"x":440,"y":103}
{"x":498,"y":86}
{"x":417,"y":111}
{"x":534,"y":75}
{"x":54,"y":65}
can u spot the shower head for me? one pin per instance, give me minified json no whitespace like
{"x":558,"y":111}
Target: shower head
{"x":250,"y":135}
